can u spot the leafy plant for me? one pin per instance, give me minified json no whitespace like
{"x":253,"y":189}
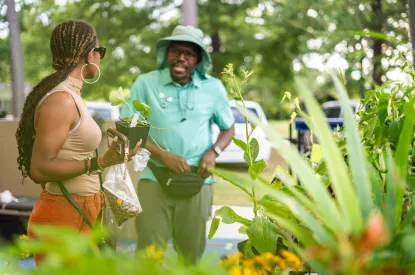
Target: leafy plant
{"x":262,"y":233}
{"x":358,"y":225}
{"x":118,"y":98}
{"x":66,"y":251}
{"x":69,"y":252}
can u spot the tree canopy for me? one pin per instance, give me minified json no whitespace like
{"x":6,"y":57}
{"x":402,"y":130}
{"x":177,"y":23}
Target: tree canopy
{"x":280,"y":40}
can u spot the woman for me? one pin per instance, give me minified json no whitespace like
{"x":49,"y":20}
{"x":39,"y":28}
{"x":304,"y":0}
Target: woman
{"x":57,"y":136}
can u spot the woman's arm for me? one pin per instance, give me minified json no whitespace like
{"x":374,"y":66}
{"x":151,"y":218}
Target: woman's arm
{"x":56,"y":116}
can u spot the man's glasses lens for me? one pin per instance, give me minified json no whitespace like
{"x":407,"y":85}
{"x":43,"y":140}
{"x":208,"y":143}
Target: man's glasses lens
{"x":101,"y":51}
{"x":178,"y":52}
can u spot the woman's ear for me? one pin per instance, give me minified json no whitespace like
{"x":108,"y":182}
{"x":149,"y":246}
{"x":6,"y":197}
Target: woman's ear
{"x":90,"y":57}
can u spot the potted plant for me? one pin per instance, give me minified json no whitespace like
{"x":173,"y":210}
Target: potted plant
{"x":135,"y":127}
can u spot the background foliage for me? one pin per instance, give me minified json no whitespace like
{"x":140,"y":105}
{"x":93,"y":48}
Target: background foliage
{"x":280,"y":39}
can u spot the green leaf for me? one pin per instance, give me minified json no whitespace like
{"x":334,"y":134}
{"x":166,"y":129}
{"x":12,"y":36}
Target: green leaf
{"x":142,"y":107}
{"x":337,"y":169}
{"x":240,"y":182}
{"x":324,"y":206}
{"x":320,"y":233}
{"x":357,"y":158}
{"x":408,"y":244}
{"x":409,"y":216}
{"x":394,"y":132}
{"x":300,"y":233}
{"x":242,"y":229}
{"x":229,"y":216}
{"x":378,"y":190}
{"x":263,"y":235}
{"x":247,"y":158}
{"x":401,"y":157}
{"x":392,"y":184}
{"x":254,"y":149}
{"x":410,"y":181}
{"x":286,"y":95}
{"x":213,"y":227}
{"x":116,"y":97}
{"x":257,"y":168}
{"x":372,"y":126}
{"x":241,"y":144}
{"x":383,"y":108}
{"x":402,"y":151}
{"x":247,"y":250}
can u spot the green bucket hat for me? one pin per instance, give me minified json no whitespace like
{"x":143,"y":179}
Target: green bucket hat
{"x":186,"y":34}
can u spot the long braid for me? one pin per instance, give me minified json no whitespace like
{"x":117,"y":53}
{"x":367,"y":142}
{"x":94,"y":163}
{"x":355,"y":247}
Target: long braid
{"x":70,"y":43}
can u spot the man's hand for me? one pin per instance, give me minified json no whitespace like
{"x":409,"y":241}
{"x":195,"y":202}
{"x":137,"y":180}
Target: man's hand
{"x":175,"y":163}
{"x":207,"y":163}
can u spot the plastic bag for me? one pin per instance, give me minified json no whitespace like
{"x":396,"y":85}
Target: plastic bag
{"x":120,"y":193}
{"x":140,"y":159}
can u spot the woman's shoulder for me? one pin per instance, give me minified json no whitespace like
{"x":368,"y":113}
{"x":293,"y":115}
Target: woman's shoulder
{"x":58,"y":98}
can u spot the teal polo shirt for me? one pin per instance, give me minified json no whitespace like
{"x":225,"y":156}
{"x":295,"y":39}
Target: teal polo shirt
{"x":181,"y":116}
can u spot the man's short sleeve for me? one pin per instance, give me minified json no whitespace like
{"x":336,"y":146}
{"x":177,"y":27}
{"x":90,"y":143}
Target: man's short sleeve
{"x":137,"y":92}
{"x":222,"y":115}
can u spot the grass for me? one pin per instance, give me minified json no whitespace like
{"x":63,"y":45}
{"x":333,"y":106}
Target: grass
{"x":227,"y":194}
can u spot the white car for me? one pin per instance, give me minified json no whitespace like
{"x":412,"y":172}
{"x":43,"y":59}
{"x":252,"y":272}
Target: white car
{"x":104,"y":110}
{"x":233,"y":154}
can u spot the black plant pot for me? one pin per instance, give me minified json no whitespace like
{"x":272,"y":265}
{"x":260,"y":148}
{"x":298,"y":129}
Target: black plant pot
{"x":134,"y":134}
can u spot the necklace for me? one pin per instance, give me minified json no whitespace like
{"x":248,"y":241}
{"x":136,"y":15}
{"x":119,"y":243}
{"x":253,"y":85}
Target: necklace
{"x":183,"y":110}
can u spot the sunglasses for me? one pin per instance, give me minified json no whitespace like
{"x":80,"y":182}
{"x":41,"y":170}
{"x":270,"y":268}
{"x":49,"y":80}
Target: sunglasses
{"x":101,"y":51}
{"x":178,"y":52}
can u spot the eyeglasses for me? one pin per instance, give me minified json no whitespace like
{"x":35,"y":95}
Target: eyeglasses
{"x":101,"y":51}
{"x":178,"y":52}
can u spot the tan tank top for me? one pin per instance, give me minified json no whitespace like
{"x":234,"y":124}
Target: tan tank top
{"x":81,"y":143}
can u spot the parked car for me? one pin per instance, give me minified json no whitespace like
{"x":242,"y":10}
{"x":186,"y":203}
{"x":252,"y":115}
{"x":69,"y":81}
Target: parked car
{"x":332,"y":109}
{"x":103,"y":110}
{"x":233,"y":154}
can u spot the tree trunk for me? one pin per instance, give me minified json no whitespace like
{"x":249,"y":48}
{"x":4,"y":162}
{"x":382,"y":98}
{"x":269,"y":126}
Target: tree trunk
{"x":377,"y":43}
{"x":216,"y":44}
{"x":16,"y":59}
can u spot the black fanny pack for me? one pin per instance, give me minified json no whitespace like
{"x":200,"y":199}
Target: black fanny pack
{"x":178,"y":185}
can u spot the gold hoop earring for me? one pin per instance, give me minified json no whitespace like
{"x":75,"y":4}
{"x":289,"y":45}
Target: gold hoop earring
{"x":82,"y":73}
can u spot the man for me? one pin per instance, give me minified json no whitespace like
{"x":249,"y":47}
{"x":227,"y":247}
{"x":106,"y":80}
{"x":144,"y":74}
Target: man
{"x":183,"y":101}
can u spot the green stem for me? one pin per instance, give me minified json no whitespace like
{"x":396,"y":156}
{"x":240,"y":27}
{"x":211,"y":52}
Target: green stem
{"x":248,"y":147}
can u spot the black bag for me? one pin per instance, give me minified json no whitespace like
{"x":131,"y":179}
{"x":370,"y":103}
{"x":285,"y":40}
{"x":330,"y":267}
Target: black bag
{"x":178,"y":185}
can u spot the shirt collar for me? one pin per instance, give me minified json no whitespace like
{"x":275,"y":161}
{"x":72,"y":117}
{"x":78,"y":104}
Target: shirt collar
{"x":166,"y":77}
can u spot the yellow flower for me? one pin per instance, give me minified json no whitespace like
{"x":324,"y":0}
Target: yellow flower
{"x":235,"y":270}
{"x":119,"y":201}
{"x":283,"y":265}
{"x":23,"y":237}
{"x":7,"y":263}
{"x":235,"y":258}
{"x":153,"y":252}
{"x":292,"y":260}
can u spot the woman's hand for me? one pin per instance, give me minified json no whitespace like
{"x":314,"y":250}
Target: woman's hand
{"x":112,"y":157}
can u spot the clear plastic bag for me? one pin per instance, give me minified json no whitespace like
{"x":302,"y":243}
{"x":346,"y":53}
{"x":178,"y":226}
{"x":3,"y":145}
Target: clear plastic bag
{"x":140,"y":159}
{"x":120,"y":193}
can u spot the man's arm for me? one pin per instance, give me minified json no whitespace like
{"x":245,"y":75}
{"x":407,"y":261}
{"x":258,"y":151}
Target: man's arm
{"x":225,"y":138}
{"x":208,"y":161}
{"x":175,"y":163}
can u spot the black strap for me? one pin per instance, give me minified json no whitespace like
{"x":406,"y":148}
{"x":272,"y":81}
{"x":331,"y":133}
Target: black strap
{"x":71,"y":200}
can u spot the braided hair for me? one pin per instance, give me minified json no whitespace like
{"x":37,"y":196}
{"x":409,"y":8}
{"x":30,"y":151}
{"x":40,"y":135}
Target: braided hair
{"x":70,"y":43}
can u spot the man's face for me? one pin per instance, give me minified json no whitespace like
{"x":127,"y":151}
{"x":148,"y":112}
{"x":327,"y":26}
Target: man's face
{"x":182,"y":57}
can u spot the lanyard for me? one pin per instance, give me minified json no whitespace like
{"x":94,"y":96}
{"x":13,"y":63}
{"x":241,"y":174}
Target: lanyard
{"x":189,"y":94}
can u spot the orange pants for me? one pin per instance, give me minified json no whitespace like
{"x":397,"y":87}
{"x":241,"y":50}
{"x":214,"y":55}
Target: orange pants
{"x":56,"y":210}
